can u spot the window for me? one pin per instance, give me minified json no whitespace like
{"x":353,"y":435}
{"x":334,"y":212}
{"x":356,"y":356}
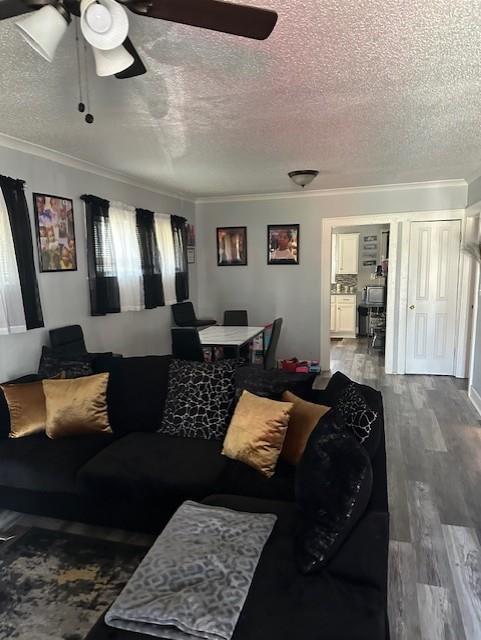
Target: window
{"x":133,"y":259}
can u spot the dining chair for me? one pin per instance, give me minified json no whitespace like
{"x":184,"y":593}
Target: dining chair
{"x":270,"y":353}
{"x":235,"y":319}
{"x":184,"y":316}
{"x":69,"y":339}
{"x":186,"y":344}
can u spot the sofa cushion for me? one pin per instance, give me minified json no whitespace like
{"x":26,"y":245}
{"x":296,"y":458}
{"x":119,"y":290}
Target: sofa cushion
{"x":142,"y":466}
{"x":136,"y":391}
{"x":282,"y":604}
{"x":273,"y":382}
{"x":240,"y":479}
{"x":55,"y":363}
{"x":38,"y":463}
{"x":200,"y":399}
{"x":333,"y":489}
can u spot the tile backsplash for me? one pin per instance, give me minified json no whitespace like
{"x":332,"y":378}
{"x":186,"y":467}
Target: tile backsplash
{"x":347,"y":279}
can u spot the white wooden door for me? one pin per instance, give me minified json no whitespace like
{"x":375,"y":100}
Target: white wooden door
{"x":346,"y":318}
{"x":347,"y":253}
{"x":432,"y":297}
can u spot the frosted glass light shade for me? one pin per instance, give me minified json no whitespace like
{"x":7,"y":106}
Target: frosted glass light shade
{"x":108,"y":63}
{"x":303,"y":177}
{"x":43,"y":30}
{"x":106,"y":26}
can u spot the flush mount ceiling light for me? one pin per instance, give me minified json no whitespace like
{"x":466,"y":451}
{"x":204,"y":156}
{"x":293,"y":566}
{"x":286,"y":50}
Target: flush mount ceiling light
{"x":303,"y":177}
{"x":44,"y":29}
{"x":105,"y":25}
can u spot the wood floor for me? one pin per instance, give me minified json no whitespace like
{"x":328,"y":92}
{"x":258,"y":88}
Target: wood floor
{"x":433,"y":438}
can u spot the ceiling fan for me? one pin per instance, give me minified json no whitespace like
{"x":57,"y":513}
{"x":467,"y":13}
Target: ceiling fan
{"x":105,"y":24}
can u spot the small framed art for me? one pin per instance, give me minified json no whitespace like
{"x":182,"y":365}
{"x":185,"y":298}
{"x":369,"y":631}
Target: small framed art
{"x":54,"y":223}
{"x":283,"y":244}
{"x":231,"y":246}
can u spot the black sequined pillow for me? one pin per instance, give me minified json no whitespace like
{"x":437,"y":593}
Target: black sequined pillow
{"x":355,"y":413}
{"x":333,"y":489}
{"x":199,"y":400}
{"x":54,"y":364}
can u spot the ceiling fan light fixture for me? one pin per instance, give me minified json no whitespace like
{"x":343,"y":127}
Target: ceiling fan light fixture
{"x":104,"y":23}
{"x":112,"y":61}
{"x":43,"y":29}
{"x":303,"y":177}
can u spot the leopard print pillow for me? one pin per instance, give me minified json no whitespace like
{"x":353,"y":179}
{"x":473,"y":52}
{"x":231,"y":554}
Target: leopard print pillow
{"x":199,"y":399}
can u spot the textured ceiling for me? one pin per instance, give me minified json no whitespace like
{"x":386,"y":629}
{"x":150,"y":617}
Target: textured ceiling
{"x":369,"y":92}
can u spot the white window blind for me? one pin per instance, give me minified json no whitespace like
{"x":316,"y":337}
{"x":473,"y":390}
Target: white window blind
{"x":12,"y":316}
{"x":127,"y":256}
{"x":165,"y":245}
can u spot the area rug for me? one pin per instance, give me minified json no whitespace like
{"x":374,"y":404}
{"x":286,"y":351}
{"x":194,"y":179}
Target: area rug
{"x":55,"y":585}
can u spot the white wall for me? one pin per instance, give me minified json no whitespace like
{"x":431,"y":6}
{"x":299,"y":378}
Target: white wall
{"x":293,"y":292}
{"x":65,"y":296}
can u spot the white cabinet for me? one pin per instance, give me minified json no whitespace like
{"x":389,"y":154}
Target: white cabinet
{"x":333,"y":313}
{"x":347,"y":253}
{"x":343,"y":316}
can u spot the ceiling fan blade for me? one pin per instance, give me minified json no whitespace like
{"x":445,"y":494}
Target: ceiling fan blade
{"x":12,"y":8}
{"x":237,"y":19}
{"x":137,"y":68}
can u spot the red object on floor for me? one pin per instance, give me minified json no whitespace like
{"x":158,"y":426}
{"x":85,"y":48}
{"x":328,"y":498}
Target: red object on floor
{"x":289,"y":365}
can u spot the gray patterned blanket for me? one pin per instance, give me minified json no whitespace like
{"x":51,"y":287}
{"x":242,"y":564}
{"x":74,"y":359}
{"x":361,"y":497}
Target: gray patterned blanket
{"x":195,"y":579}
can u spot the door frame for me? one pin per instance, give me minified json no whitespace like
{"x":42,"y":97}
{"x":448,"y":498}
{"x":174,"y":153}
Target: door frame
{"x":397,"y":298}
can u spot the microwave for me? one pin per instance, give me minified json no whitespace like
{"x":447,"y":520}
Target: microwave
{"x":374,"y":295}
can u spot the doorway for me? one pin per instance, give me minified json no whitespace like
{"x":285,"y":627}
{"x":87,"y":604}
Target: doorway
{"x":396,"y":344}
{"x":358,"y":296}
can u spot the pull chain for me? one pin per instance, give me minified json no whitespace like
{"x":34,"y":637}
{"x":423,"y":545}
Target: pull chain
{"x":89,"y":117}
{"x":81,"y":104}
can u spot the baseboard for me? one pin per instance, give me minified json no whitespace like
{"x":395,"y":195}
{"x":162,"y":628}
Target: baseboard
{"x":475,"y":398}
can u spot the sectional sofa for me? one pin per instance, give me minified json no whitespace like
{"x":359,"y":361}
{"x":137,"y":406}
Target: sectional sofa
{"x":136,"y":478}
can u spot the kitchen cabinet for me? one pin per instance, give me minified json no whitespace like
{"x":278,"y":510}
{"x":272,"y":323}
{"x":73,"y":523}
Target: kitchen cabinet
{"x":347,"y":253}
{"x":343,"y":316}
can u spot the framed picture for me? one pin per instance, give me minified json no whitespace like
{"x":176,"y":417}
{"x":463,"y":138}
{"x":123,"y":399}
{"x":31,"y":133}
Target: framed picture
{"x":231,"y":246}
{"x":369,"y":263}
{"x":54,"y":223}
{"x":370,"y":238}
{"x":283,"y":244}
{"x":190,"y":244}
{"x":370,"y":246}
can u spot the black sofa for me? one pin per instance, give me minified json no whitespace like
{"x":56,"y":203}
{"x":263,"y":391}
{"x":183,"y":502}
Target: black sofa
{"x":136,"y":478}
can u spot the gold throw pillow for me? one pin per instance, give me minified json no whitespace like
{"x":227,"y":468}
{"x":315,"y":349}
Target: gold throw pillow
{"x":77,"y":406}
{"x":257,"y":431}
{"x":304,"y":417}
{"x":26,"y":405}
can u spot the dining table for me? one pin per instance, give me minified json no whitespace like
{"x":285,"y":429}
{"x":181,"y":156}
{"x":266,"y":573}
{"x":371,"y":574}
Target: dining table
{"x":236,"y":337}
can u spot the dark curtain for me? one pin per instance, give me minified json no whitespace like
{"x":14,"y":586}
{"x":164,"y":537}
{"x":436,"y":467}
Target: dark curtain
{"x":103,"y":283}
{"x":179,"y":229}
{"x":153,"y":289}
{"x":22,"y":239}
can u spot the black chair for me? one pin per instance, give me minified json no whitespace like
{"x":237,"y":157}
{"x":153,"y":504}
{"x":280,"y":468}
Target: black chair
{"x":68,"y":340}
{"x":184,"y":316}
{"x":270,"y":353}
{"x":235,"y":319}
{"x":186,"y":344}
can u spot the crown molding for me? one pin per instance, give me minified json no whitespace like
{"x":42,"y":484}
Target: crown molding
{"x":83,"y":165}
{"x":316,"y":193}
